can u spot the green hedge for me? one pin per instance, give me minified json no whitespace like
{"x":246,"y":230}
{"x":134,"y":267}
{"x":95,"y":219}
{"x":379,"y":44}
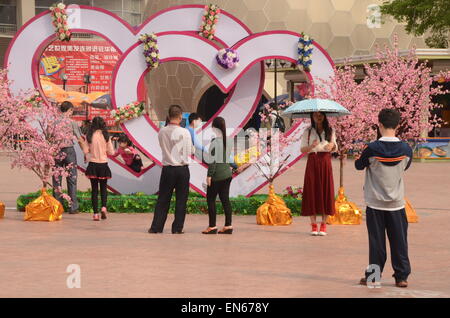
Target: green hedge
{"x":143,"y":203}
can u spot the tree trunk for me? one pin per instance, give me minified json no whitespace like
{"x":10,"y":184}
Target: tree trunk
{"x":341,"y":170}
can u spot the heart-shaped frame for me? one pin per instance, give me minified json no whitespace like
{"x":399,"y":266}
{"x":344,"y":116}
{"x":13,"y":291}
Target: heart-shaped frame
{"x":172,"y":25}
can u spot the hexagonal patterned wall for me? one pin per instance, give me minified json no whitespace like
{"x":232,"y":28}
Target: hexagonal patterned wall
{"x":340,"y":26}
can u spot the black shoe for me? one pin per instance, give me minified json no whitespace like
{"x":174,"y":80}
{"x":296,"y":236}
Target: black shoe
{"x":211,"y":231}
{"x":178,"y":232}
{"x":153,"y":232}
{"x":226,"y":231}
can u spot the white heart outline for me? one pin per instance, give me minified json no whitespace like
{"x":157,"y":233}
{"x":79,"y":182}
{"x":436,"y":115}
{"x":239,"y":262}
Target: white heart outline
{"x":126,"y":26}
{"x":131,"y":60}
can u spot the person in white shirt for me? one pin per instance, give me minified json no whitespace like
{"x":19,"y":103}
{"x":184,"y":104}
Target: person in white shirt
{"x":176,"y":146}
{"x":319,"y":141}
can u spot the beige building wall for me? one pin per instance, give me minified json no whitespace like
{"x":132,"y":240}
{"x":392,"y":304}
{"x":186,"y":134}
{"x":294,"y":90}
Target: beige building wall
{"x":340,"y":26}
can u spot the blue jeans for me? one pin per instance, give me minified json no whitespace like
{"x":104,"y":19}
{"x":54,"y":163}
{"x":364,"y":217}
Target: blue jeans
{"x":70,"y":157}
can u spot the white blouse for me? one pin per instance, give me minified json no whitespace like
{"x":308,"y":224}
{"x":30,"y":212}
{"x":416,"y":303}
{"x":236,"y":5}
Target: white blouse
{"x":313,"y":136}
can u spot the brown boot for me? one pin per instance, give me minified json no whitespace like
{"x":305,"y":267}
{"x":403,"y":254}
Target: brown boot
{"x":401,"y":283}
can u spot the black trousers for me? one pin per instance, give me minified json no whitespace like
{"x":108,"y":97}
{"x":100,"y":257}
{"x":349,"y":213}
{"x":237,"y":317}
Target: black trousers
{"x":172,"y":178}
{"x":396,"y":225}
{"x":103,"y":193}
{"x":223,"y":189}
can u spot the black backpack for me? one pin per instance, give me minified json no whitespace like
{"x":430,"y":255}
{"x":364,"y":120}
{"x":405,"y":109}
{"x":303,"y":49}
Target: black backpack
{"x":279,"y":123}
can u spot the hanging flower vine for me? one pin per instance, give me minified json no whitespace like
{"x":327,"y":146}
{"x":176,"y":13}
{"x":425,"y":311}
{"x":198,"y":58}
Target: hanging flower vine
{"x":129,"y":111}
{"x":209,"y":21}
{"x":305,"y":49}
{"x":151,"y":51}
{"x":59,"y":21}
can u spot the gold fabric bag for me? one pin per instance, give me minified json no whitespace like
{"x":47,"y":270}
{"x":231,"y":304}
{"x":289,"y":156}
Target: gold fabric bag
{"x":2,"y":210}
{"x":274,"y":211}
{"x":44,"y":208}
{"x":347,"y":213}
{"x":411,"y":215}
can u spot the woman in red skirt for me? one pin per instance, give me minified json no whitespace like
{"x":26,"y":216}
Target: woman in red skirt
{"x":319,"y":141}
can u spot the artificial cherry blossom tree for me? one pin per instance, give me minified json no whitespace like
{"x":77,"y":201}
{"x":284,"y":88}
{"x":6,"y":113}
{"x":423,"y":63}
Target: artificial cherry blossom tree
{"x":43,"y":131}
{"x":396,"y":81}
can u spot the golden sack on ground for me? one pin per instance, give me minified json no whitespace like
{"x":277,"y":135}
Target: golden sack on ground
{"x":2,"y":210}
{"x":274,"y":211}
{"x":347,"y":213}
{"x":411,"y":215}
{"x":44,"y":208}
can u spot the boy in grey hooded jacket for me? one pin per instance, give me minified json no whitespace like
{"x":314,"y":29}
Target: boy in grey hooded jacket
{"x":385,"y":161}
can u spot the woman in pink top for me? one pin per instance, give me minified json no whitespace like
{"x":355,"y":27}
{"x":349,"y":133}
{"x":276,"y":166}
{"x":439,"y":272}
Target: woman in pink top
{"x":98,"y":147}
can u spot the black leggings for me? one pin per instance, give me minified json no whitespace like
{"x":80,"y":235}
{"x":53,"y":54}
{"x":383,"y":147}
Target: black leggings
{"x":223,"y":189}
{"x":103,"y":193}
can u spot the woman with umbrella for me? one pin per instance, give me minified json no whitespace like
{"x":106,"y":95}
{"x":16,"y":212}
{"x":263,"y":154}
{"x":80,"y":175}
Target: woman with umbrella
{"x":318,"y":141}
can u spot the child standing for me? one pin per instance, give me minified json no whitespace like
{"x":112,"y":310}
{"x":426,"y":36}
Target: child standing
{"x":385,"y":161}
{"x":98,"y":146}
{"x":129,"y":154}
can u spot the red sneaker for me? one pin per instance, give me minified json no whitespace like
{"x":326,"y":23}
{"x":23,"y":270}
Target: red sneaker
{"x":323,"y":229}
{"x":96,"y":217}
{"x":314,"y":229}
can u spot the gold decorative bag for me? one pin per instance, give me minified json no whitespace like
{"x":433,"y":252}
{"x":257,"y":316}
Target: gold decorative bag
{"x":44,"y":208}
{"x":274,"y":211}
{"x":2,"y":210}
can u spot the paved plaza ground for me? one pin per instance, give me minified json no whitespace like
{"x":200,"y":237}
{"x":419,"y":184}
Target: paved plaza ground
{"x":118,"y":258}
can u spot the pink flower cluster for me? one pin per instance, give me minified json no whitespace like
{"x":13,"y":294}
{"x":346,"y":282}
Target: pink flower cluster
{"x":129,"y":111}
{"x":59,"y":21}
{"x":33,"y":133}
{"x":209,"y":21}
{"x":293,"y":191}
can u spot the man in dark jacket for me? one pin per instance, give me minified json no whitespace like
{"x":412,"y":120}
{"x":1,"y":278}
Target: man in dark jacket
{"x":385,"y":161}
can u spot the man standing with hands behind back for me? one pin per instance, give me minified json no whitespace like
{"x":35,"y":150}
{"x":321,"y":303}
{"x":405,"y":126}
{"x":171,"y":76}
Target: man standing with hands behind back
{"x":176,"y":147}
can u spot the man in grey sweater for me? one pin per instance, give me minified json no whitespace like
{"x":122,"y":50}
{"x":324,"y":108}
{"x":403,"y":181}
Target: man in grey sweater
{"x":69,"y":159}
{"x":385,"y":161}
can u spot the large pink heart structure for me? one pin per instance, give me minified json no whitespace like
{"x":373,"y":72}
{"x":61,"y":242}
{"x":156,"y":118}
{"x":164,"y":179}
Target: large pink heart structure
{"x":177,"y":40}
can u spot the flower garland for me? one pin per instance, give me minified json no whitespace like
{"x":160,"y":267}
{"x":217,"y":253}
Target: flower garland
{"x":129,"y":111}
{"x":151,"y":51}
{"x":209,"y":21}
{"x":59,"y":21}
{"x":305,"y":49}
{"x":227,"y":58}
{"x":293,"y":191}
{"x":34,"y":100}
